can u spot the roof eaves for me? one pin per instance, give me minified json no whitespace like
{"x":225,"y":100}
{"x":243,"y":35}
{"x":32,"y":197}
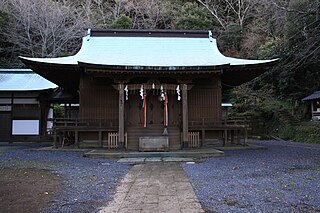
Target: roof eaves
{"x":27,"y":62}
{"x":154,"y":68}
{"x":266,"y":63}
{"x":15,"y":71}
{"x":315,"y":95}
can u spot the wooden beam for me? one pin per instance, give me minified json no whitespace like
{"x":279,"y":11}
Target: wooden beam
{"x":185,"y":138}
{"x":148,"y":86}
{"x":121,"y":115}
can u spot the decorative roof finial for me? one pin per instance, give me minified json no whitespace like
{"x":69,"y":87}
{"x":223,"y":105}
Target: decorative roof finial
{"x":88,"y":34}
{"x":210,"y":36}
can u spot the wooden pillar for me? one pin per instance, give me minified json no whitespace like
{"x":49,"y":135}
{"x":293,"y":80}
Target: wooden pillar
{"x":76,"y":138}
{"x":203,"y":136}
{"x":65,"y":110}
{"x":225,"y":140}
{"x":245,"y":137}
{"x":55,"y":143}
{"x":11,"y":116}
{"x":185,"y":138}
{"x":100,"y":138}
{"x":238,"y":137}
{"x":121,"y":115}
{"x":232,"y":136}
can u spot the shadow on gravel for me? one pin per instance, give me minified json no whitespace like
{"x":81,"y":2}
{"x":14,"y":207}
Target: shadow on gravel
{"x":58,"y":181}
{"x":27,"y":190}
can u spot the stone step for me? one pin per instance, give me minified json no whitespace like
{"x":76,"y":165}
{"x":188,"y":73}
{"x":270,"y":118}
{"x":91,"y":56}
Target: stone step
{"x":182,"y":153}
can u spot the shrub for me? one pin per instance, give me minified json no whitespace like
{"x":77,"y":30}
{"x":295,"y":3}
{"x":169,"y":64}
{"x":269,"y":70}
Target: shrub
{"x":305,"y":132}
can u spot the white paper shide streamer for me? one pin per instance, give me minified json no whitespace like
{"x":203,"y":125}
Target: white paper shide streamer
{"x":127,"y":92}
{"x":178,"y":93}
{"x":141,"y":92}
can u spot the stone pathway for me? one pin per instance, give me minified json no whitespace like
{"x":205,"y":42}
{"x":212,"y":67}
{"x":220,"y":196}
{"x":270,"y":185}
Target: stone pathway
{"x":155,"y":187}
{"x":154,"y":160}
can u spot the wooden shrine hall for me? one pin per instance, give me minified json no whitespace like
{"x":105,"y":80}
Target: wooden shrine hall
{"x":147,"y":90}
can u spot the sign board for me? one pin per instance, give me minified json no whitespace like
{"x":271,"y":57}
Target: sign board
{"x":5,"y":108}
{"x":25,"y":127}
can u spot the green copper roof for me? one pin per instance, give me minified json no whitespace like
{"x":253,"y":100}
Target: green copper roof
{"x":23,"y":80}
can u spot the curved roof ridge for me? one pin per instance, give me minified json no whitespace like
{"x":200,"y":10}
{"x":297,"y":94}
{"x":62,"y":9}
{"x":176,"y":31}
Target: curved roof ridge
{"x":140,"y":51}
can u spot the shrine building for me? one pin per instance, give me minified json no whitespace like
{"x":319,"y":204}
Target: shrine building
{"x":147,"y":90}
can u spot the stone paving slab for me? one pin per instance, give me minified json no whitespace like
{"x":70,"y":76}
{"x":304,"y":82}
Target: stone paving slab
{"x":154,"y":159}
{"x":154,"y":187}
{"x":131,"y":160}
{"x":176,"y":159}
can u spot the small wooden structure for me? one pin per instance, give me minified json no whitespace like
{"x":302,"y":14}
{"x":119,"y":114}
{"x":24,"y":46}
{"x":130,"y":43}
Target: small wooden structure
{"x":155,"y":84}
{"x":314,"y":99}
{"x":25,"y":110}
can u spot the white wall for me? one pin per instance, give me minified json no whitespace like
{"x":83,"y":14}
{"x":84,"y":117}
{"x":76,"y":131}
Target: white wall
{"x":25,"y":127}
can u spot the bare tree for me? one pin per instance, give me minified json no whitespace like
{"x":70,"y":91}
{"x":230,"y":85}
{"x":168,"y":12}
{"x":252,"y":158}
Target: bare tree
{"x":149,"y":14}
{"x":145,"y":14}
{"x":41,"y":28}
{"x":226,"y":12}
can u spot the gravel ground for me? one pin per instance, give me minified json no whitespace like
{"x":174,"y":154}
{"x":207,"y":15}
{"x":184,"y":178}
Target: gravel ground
{"x":283,"y":178}
{"x":88,"y":183}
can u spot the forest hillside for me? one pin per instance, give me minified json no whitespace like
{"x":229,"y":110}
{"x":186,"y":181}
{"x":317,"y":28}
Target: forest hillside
{"x":253,"y":29}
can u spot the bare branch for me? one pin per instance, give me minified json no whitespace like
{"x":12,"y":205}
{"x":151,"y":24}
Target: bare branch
{"x":214,"y":13}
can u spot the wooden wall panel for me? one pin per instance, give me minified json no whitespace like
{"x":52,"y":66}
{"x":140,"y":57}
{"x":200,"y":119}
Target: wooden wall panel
{"x":98,"y":100}
{"x":204,"y":102}
{"x":26,"y":111}
{"x":5,"y":126}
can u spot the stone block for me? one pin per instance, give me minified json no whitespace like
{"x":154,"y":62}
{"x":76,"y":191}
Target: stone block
{"x":160,"y":143}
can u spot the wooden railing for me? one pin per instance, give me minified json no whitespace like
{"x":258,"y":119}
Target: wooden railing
{"x":194,"y":139}
{"x":113,"y":139}
{"x":230,"y":128}
{"x":70,"y":128}
{"x":83,"y":122}
{"x":315,"y":115}
{"x":233,"y":126}
{"x":233,"y":121}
